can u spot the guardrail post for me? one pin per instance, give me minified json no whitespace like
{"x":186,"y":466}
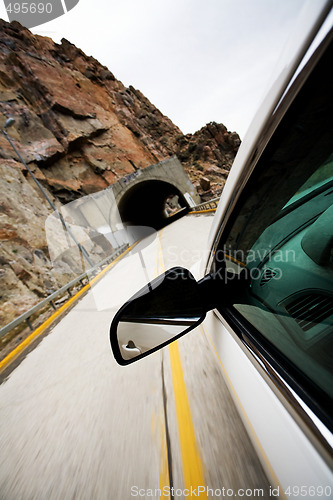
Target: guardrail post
{"x":29,"y":324}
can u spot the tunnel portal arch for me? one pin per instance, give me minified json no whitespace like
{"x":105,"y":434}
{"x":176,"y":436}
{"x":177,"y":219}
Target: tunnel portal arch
{"x":142,"y":195}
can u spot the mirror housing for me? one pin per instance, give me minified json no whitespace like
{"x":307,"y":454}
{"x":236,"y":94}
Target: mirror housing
{"x":167,"y":308}
{"x":161,"y":312}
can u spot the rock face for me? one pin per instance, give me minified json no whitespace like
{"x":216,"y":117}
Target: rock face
{"x":208,"y":155}
{"x":79,"y":129}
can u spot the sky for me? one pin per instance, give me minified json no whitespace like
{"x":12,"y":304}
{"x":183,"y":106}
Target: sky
{"x":196,"y":60}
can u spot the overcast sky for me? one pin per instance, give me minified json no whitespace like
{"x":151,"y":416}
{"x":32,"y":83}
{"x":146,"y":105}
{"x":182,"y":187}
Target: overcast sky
{"x":196,"y":60}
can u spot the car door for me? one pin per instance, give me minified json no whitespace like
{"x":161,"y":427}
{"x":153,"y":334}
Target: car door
{"x":274,"y":337}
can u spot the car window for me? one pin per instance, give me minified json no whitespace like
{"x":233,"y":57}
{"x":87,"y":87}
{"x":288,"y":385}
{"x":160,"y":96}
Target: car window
{"x":282,"y":232}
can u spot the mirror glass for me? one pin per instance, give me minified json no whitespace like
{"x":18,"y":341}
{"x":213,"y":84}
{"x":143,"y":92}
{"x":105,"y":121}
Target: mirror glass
{"x":165,"y":308}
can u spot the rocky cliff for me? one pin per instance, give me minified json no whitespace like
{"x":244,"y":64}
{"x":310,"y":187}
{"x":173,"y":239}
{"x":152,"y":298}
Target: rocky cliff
{"x":79,"y":129}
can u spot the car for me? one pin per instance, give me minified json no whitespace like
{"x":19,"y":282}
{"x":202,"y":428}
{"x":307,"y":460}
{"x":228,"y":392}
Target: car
{"x":266,"y":296}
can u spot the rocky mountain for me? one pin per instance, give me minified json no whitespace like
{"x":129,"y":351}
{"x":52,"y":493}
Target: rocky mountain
{"x":79,"y":129}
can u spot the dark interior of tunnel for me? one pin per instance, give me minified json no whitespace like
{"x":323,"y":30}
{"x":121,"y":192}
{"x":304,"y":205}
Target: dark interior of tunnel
{"x":145,"y":204}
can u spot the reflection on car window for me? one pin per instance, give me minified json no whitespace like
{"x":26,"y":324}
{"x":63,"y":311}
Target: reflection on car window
{"x":322,"y":176}
{"x":283,"y":235}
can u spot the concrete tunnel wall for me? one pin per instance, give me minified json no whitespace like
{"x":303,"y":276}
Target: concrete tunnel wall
{"x":135,"y":200}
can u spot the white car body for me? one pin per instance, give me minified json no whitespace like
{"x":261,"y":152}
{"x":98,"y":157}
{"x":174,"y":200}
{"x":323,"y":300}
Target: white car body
{"x":292,"y":442}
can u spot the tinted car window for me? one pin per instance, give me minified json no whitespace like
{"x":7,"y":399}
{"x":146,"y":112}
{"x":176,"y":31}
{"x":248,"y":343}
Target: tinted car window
{"x":283,"y":234}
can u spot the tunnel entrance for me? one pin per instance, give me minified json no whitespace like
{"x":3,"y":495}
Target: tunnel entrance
{"x":152,"y":203}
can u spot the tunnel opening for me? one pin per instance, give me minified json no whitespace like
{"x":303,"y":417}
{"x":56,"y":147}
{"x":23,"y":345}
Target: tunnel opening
{"x":152,"y":203}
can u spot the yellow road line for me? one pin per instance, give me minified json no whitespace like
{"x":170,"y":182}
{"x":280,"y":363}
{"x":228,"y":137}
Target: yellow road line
{"x":235,"y":260}
{"x":255,"y":437}
{"x":191,"y":460}
{"x":36,"y":333}
{"x":202,"y":211}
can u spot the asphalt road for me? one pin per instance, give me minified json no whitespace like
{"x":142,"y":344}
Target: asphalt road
{"x":75,"y":425}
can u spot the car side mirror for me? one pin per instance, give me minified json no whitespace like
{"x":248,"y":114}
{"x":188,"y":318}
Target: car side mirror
{"x":167,"y":308}
{"x":161,"y":312}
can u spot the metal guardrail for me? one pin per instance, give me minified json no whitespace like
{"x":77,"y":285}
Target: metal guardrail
{"x":66,"y":288}
{"x":206,"y":205}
